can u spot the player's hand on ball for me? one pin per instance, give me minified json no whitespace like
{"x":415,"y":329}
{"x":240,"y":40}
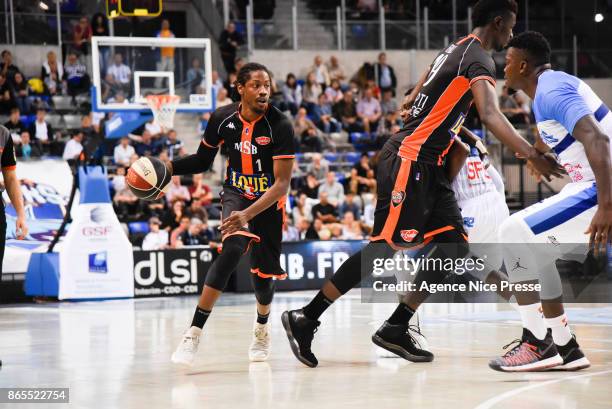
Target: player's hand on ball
{"x":600,"y":230}
{"x":233,"y":223}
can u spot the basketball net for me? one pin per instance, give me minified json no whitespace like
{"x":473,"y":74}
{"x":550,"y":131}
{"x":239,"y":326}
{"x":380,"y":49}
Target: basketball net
{"x":163,"y":108}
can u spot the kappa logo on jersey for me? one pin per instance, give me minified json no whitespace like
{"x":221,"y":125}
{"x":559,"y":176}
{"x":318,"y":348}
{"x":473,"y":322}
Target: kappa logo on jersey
{"x":262,"y":140}
{"x":397,"y":197}
{"x":468,"y":221}
{"x":548,"y":138}
{"x":409,"y":235}
{"x":231,"y":125}
{"x":246,"y":147}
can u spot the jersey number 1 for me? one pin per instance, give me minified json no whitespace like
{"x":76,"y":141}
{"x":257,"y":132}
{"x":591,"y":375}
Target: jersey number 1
{"x":258,"y":163}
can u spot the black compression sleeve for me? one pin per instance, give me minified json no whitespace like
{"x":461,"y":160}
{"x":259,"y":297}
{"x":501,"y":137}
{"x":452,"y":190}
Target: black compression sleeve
{"x":196,"y":163}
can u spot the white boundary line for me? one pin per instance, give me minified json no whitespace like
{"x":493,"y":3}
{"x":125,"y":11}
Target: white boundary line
{"x":497,"y":399}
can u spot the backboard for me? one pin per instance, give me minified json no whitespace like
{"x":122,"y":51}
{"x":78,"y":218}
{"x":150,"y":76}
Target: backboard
{"x":127,"y":69}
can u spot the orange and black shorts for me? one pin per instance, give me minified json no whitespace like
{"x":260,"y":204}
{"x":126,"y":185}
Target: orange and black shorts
{"x":265,"y":232}
{"x":415,"y":202}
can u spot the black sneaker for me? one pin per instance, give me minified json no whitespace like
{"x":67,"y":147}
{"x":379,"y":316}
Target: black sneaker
{"x":529,"y":355}
{"x":398,"y":339}
{"x":300,"y":331}
{"x":573,"y":357}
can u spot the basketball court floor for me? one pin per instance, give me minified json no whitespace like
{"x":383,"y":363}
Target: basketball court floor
{"x":115,"y":354}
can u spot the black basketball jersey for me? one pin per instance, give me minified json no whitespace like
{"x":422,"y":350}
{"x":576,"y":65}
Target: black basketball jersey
{"x":252,"y":146}
{"x":443,"y":103}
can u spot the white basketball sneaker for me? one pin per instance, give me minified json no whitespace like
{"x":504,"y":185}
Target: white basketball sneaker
{"x":260,"y":346}
{"x":185,"y":352}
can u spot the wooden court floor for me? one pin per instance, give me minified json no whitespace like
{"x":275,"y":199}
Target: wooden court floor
{"x":115,"y":354}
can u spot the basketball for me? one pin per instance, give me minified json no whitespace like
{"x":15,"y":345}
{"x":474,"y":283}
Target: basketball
{"x":148,"y":178}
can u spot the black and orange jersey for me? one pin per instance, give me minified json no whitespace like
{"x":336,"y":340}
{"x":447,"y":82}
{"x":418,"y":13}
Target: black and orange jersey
{"x":443,"y":102}
{"x":7,"y":150}
{"x":252,"y":146}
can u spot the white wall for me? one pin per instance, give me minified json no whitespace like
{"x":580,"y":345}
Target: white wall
{"x":408,"y":65}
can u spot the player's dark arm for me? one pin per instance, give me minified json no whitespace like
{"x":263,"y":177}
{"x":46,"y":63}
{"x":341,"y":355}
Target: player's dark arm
{"x":490,"y":115}
{"x":456,"y":158}
{"x":280,"y":187}
{"x":476,"y":141}
{"x":197,"y":163}
{"x":597,"y":148}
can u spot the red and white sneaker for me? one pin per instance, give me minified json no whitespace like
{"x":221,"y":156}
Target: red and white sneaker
{"x":530,"y":355}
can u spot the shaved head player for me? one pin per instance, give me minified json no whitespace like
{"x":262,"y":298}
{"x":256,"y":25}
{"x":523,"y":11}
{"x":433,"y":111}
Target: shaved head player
{"x":259,"y":141}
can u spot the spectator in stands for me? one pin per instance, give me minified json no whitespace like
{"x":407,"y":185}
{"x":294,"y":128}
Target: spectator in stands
{"x":316,"y":231}
{"x":7,"y":100}
{"x":75,"y":76}
{"x":118,"y":181}
{"x":384,"y":74}
{"x":25,"y":149}
{"x":195,"y":75}
{"x":368,"y":213}
{"x":229,"y":42}
{"x":230,"y":86}
{"x":41,"y":131}
{"x":193,"y":235}
{"x":324,"y":210}
{"x":369,"y":111}
{"x":290,"y":233}
{"x":303,"y":227}
{"x":319,"y":167}
{"x":311,"y":187}
{"x":345,"y":111}
{"x":118,"y":76}
{"x":301,"y":209}
{"x":362,"y":176}
{"x":176,"y":191}
{"x":156,"y":238}
{"x":81,"y":36}
{"x":311,"y":91}
{"x":166,"y":54}
{"x":52,"y":73}
{"x":320,"y":71}
{"x":173,"y":215}
{"x":238,"y":63}
{"x":390,"y":109}
{"x":127,"y":206}
{"x":355,"y":88}
{"x":217,"y":82}
{"x":332,"y":189}
{"x":176,"y":232}
{"x":292,"y":93}
{"x":510,"y":107}
{"x":145,"y":146}
{"x":335,"y":70}
{"x":351,"y":228}
{"x":323,"y":118}
{"x":74,"y":147}
{"x":173,"y":145}
{"x":123,"y":152}
{"x":196,"y":209}
{"x":7,"y":68}
{"x":222,"y":98}
{"x":99,"y":25}
{"x":307,"y":132}
{"x":20,"y":90}
{"x":14,"y":124}
{"x":200,"y":190}
{"x":334,"y":92}
{"x":87,"y":126}
{"x":349,"y":204}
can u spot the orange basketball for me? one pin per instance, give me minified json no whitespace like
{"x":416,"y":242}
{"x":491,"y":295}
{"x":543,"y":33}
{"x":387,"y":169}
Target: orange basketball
{"x":148,"y":178}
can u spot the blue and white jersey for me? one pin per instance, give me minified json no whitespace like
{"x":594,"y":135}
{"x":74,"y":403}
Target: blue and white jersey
{"x":561,"y":100}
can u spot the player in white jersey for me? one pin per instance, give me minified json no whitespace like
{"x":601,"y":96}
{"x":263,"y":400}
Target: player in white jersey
{"x":575,"y":124}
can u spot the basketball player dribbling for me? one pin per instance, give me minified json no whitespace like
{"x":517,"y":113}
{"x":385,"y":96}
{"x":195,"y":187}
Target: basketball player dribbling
{"x":259,"y":140}
{"x":415,"y":202}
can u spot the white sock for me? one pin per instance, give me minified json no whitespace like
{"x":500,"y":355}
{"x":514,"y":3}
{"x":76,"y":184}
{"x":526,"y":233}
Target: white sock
{"x":195,"y":331}
{"x":531,"y":316}
{"x":560,"y":329}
